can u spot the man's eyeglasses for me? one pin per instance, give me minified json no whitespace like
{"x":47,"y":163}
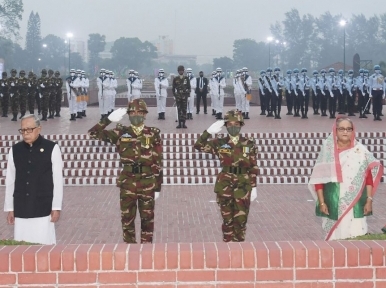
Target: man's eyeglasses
{"x":341,"y":129}
{"x":26,"y":130}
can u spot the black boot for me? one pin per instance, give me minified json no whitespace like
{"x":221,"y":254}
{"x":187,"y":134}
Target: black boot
{"x":74,"y":119}
{"x":31,"y":112}
{"x":179,"y":124}
{"x":4,"y":114}
{"x":22,"y":115}
{"x":51,"y":115}
{"x":84,"y":113}
{"x":213,"y":112}
{"x":163,"y":115}
{"x":14,"y":117}
{"x":243,"y":114}
{"x":159,"y":116}
{"x":246,"y":115}
{"x":219,"y":116}
{"x":262,"y":112}
{"x":191,"y":116}
{"x":44,"y":116}
{"x":57,"y":114}
{"x":78,"y":115}
{"x":183,"y":124}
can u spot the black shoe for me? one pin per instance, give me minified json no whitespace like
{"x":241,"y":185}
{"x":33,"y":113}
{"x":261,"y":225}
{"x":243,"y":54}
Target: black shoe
{"x":205,"y":112}
{"x":51,"y":115}
{"x":262,"y":113}
{"x":219,"y":116}
{"x":213,"y":112}
{"x":84,"y":113}
{"x":57,"y":114}
{"x":351,"y":114}
{"x":179,"y":125}
{"x":379,"y":118}
{"x":246,"y":115}
{"x":198,"y":112}
{"x":159,"y":116}
{"x":78,"y":115}
{"x":4,"y":115}
{"x":14,"y":117}
{"x":183,"y":125}
{"x":22,"y":115}
{"x":44,"y":117}
{"x":381,"y":114}
{"x":74,"y":119}
{"x":39,"y":113}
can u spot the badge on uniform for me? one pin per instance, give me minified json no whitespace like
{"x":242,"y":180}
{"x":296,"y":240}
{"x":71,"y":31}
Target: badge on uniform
{"x":147,"y":143}
{"x":126,"y":137}
{"x":245,"y":151}
{"x":225,"y":149}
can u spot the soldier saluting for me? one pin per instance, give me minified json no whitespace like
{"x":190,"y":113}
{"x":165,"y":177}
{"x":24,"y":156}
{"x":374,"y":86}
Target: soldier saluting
{"x":181,"y":92}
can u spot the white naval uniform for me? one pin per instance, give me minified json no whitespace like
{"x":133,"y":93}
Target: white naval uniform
{"x":103,"y":94}
{"x":244,"y":101}
{"x":71,"y":95}
{"x":38,"y":230}
{"x":161,"y":93}
{"x":190,"y":102}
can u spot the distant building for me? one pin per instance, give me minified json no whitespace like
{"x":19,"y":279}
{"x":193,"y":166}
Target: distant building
{"x":164,"y":45}
{"x":106,"y":54}
{"x":79,"y":46}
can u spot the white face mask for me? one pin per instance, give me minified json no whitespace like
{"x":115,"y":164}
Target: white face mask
{"x":72,"y":74}
{"x":377,"y":71}
{"x":218,"y":74}
{"x":332,"y":73}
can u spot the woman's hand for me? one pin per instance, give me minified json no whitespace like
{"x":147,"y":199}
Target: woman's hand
{"x":368,"y":207}
{"x":323,"y":208}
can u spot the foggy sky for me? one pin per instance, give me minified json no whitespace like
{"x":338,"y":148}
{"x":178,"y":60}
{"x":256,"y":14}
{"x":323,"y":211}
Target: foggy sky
{"x":198,"y":27}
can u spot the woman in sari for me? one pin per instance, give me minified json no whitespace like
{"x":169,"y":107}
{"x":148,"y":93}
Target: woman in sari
{"x":343,"y":182}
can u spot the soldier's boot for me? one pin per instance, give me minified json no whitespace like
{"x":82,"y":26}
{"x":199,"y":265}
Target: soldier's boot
{"x":246,"y":115}
{"x":163,"y":115}
{"x":84,"y":113}
{"x":73,"y":117}
{"x":159,"y":116}
{"x":191,"y":116}
{"x":183,"y":124}
{"x":14,"y":117}
{"x":213,"y":112}
{"x":219,"y":116}
{"x":262,"y":112}
{"x":51,"y":115}
{"x":22,"y":115}
{"x":57,"y":114}
{"x":44,"y":116}
{"x":179,"y":124}
{"x":4,"y":114}
{"x":78,"y":115}
{"x":243,"y":114}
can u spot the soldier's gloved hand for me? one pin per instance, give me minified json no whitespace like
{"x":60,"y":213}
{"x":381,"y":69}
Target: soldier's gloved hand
{"x":215,"y":127}
{"x":29,"y":84}
{"x":11,"y":95}
{"x":12,"y":84}
{"x":370,"y":96}
{"x":1,"y":94}
{"x":42,"y":85}
{"x":156,"y":195}
{"x":40,"y":95}
{"x":253,"y":194}
{"x":2,"y":84}
{"x":117,"y":115}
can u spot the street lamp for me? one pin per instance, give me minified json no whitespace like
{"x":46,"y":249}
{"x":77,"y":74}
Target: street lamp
{"x":343,"y":24}
{"x":269,"y":39}
{"x":44,"y":45}
{"x":69,"y":36}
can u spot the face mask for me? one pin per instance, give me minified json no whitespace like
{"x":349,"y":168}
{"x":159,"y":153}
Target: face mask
{"x":377,"y":71}
{"x":72,"y":74}
{"x":136,"y":120}
{"x":233,"y":130}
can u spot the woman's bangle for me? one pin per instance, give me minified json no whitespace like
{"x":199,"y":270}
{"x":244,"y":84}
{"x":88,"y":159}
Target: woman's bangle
{"x":321,"y":204}
{"x":371,"y":198}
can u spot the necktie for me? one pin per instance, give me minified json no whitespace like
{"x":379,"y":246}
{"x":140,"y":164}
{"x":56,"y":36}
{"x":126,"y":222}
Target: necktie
{"x":201,"y":82}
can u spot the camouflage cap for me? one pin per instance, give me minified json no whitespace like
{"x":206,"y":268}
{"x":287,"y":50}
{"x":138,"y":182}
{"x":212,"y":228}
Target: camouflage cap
{"x":22,"y":72}
{"x":50,"y":71}
{"x":44,"y":71}
{"x":233,"y":115}
{"x":4,"y":73}
{"x":30,"y":73}
{"x":13,"y":71}
{"x":57,"y":73}
{"x":137,"y":105}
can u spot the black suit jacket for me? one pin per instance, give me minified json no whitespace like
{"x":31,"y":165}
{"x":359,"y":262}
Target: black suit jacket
{"x":204,"y":86}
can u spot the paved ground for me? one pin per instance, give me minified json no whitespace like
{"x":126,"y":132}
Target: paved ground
{"x":189,"y":213}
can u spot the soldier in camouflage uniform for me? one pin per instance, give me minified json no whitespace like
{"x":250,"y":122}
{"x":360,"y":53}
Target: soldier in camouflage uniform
{"x":37,"y":95}
{"x":58,"y":93}
{"x":23,"y":92}
{"x":14,"y":94}
{"x":52,"y":91}
{"x":32,"y":86}
{"x":140,"y":150}
{"x":181,"y":92}
{"x":237,"y":179}
{"x":4,"y":94}
{"x":44,"y":93}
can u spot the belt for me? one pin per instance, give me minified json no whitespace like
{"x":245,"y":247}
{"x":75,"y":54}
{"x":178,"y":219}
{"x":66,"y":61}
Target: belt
{"x":136,"y":168}
{"x":377,"y":89}
{"x":234,"y":170}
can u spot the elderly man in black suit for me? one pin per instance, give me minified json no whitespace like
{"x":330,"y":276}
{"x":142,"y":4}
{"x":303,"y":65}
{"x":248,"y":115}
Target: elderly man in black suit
{"x":201,"y":91}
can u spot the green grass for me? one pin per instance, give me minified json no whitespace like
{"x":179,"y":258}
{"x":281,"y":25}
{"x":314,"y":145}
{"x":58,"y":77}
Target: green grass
{"x":370,"y":237}
{"x":5,"y":242}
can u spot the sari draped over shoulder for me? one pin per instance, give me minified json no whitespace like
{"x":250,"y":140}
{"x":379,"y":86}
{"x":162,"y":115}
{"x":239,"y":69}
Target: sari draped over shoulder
{"x":343,"y":174}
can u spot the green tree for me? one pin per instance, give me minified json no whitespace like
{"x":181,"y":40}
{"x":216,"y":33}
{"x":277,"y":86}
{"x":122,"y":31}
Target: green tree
{"x":132,"y":53}
{"x":225,"y":63}
{"x":249,"y":53}
{"x":76,"y":61}
{"x":10,"y":14}
{"x":33,"y":42}
{"x":54,"y":50}
{"x":96,"y":43}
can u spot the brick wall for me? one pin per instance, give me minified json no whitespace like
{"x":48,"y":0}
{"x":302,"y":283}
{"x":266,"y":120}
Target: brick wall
{"x":306,"y":264}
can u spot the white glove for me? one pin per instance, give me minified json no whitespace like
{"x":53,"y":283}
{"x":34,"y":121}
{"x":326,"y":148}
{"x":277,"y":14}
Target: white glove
{"x":332,"y":95}
{"x":383,"y":97}
{"x":42,"y":85}
{"x":2,"y":84}
{"x":40,"y":95}
{"x":29,"y":84}
{"x":1,"y":94}
{"x":156,"y":195}
{"x":215,"y":127}
{"x":370,"y":96}
{"x":117,"y":115}
{"x":11,"y":95}
{"x":253,"y":194}
{"x":12,"y":84}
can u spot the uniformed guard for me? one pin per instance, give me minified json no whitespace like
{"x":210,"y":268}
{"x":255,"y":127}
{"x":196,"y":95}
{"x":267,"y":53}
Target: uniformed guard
{"x":367,"y":91}
{"x":247,"y":87}
{"x":193,"y":84}
{"x":4,"y":94}
{"x":58,"y":84}
{"x":43,"y":85}
{"x":262,"y":92}
{"x":325,"y":90}
{"x":219,"y":85}
{"x":113,"y":87}
{"x":103,"y":84}
{"x":237,"y":180}
{"x":32,"y":85}
{"x":333,"y":85}
{"x":23,"y":92}
{"x":212,"y":91}
{"x":181,"y":92}
{"x":342,"y":92}
{"x":377,"y":91}
{"x":271,"y":91}
{"x":349,"y":88}
{"x":140,"y":150}
{"x":37,"y":95}
{"x":316,"y":92}
{"x":305,"y":96}
{"x":289,"y":92}
{"x":298,"y":91}
{"x":360,"y":84}
{"x":238,"y":90}
{"x":52,"y":94}
{"x":85,"y":87}
{"x":72,"y":85}
{"x":14,"y":94}
{"x":161,"y":83}
{"x":280,"y":88}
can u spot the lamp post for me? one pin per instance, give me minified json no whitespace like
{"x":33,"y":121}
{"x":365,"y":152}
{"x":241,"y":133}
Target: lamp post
{"x":269,"y":39}
{"x":343,"y":24}
{"x":69,"y":36}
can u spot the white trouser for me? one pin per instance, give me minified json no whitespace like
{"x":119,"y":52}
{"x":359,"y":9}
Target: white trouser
{"x":131,"y":97}
{"x":213,"y":101}
{"x":79,"y":105}
{"x":219,"y":103}
{"x":244,"y":103}
{"x":103,"y":103}
{"x":71,"y":97}
{"x":112,"y":101}
{"x":161,"y":104}
{"x":238,"y":101}
{"x":190,"y":103}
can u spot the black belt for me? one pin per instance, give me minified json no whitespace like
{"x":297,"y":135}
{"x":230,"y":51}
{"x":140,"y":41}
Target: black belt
{"x":235,"y":170}
{"x":136,"y":168}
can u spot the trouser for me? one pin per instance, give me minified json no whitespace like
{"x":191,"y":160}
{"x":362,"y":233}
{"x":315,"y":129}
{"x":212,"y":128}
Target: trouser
{"x":244,"y":103}
{"x":58,"y":101}
{"x":276,"y":104}
{"x":104,"y":102}
{"x":332,"y":103}
{"x":268,"y":101}
{"x":14,"y":102}
{"x":289,"y":99}
{"x":377,"y":102}
{"x":367,"y":97}
{"x":181,"y":102}
{"x":316,"y":100}
{"x":350,"y":103}
{"x":234,"y":212}
{"x":361,"y":102}
{"x":239,"y":101}
{"x":304,"y":101}
{"x":5,"y":103}
{"x":128,"y":203}
{"x":52,"y":102}
{"x":71,"y":97}
{"x":262,"y":101}
{"x":31,"y":102}
{"x":161,"y":104}
{"x":23,"y":95}
{"x":219,"y":103}
{"x":112,"y":101}
{"x":323,"y":101}
{"x":297,"y":100}
{"x":213,"y":101}
{"x":38,"y":101}
{"x":200,"y":96}
{"x":45,"y":100}
{"x":190,"y":103}
{"x":342,"y":100}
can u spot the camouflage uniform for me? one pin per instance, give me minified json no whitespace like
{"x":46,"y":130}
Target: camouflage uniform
{"x":181,"y":92}
{"x":37,"y":95}
{"x":236,"y":180}
{"x":4,"y":90}
{"x":23,"y":92}
{"x":32,"y":84}
{"x":58,"y":82}
{"x":141,"y":176}
{"x":43,"y":86}
{"x":14,"y":94}
{"x":52,"y":92}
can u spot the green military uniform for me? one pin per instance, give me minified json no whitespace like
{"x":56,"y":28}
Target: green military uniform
{"x":43,"y":85}
{"x":52,"y":92}
{"x":32,"y":86}
{"x":23,"y":92}
{"x":14,"y":94}
{"x":37,"y":95}
{"x":4,"y":93}
{"x":237,"y":178}
{"x":181,"y":92}
{"x":58,"y":84}
{"x":141,"y":156}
